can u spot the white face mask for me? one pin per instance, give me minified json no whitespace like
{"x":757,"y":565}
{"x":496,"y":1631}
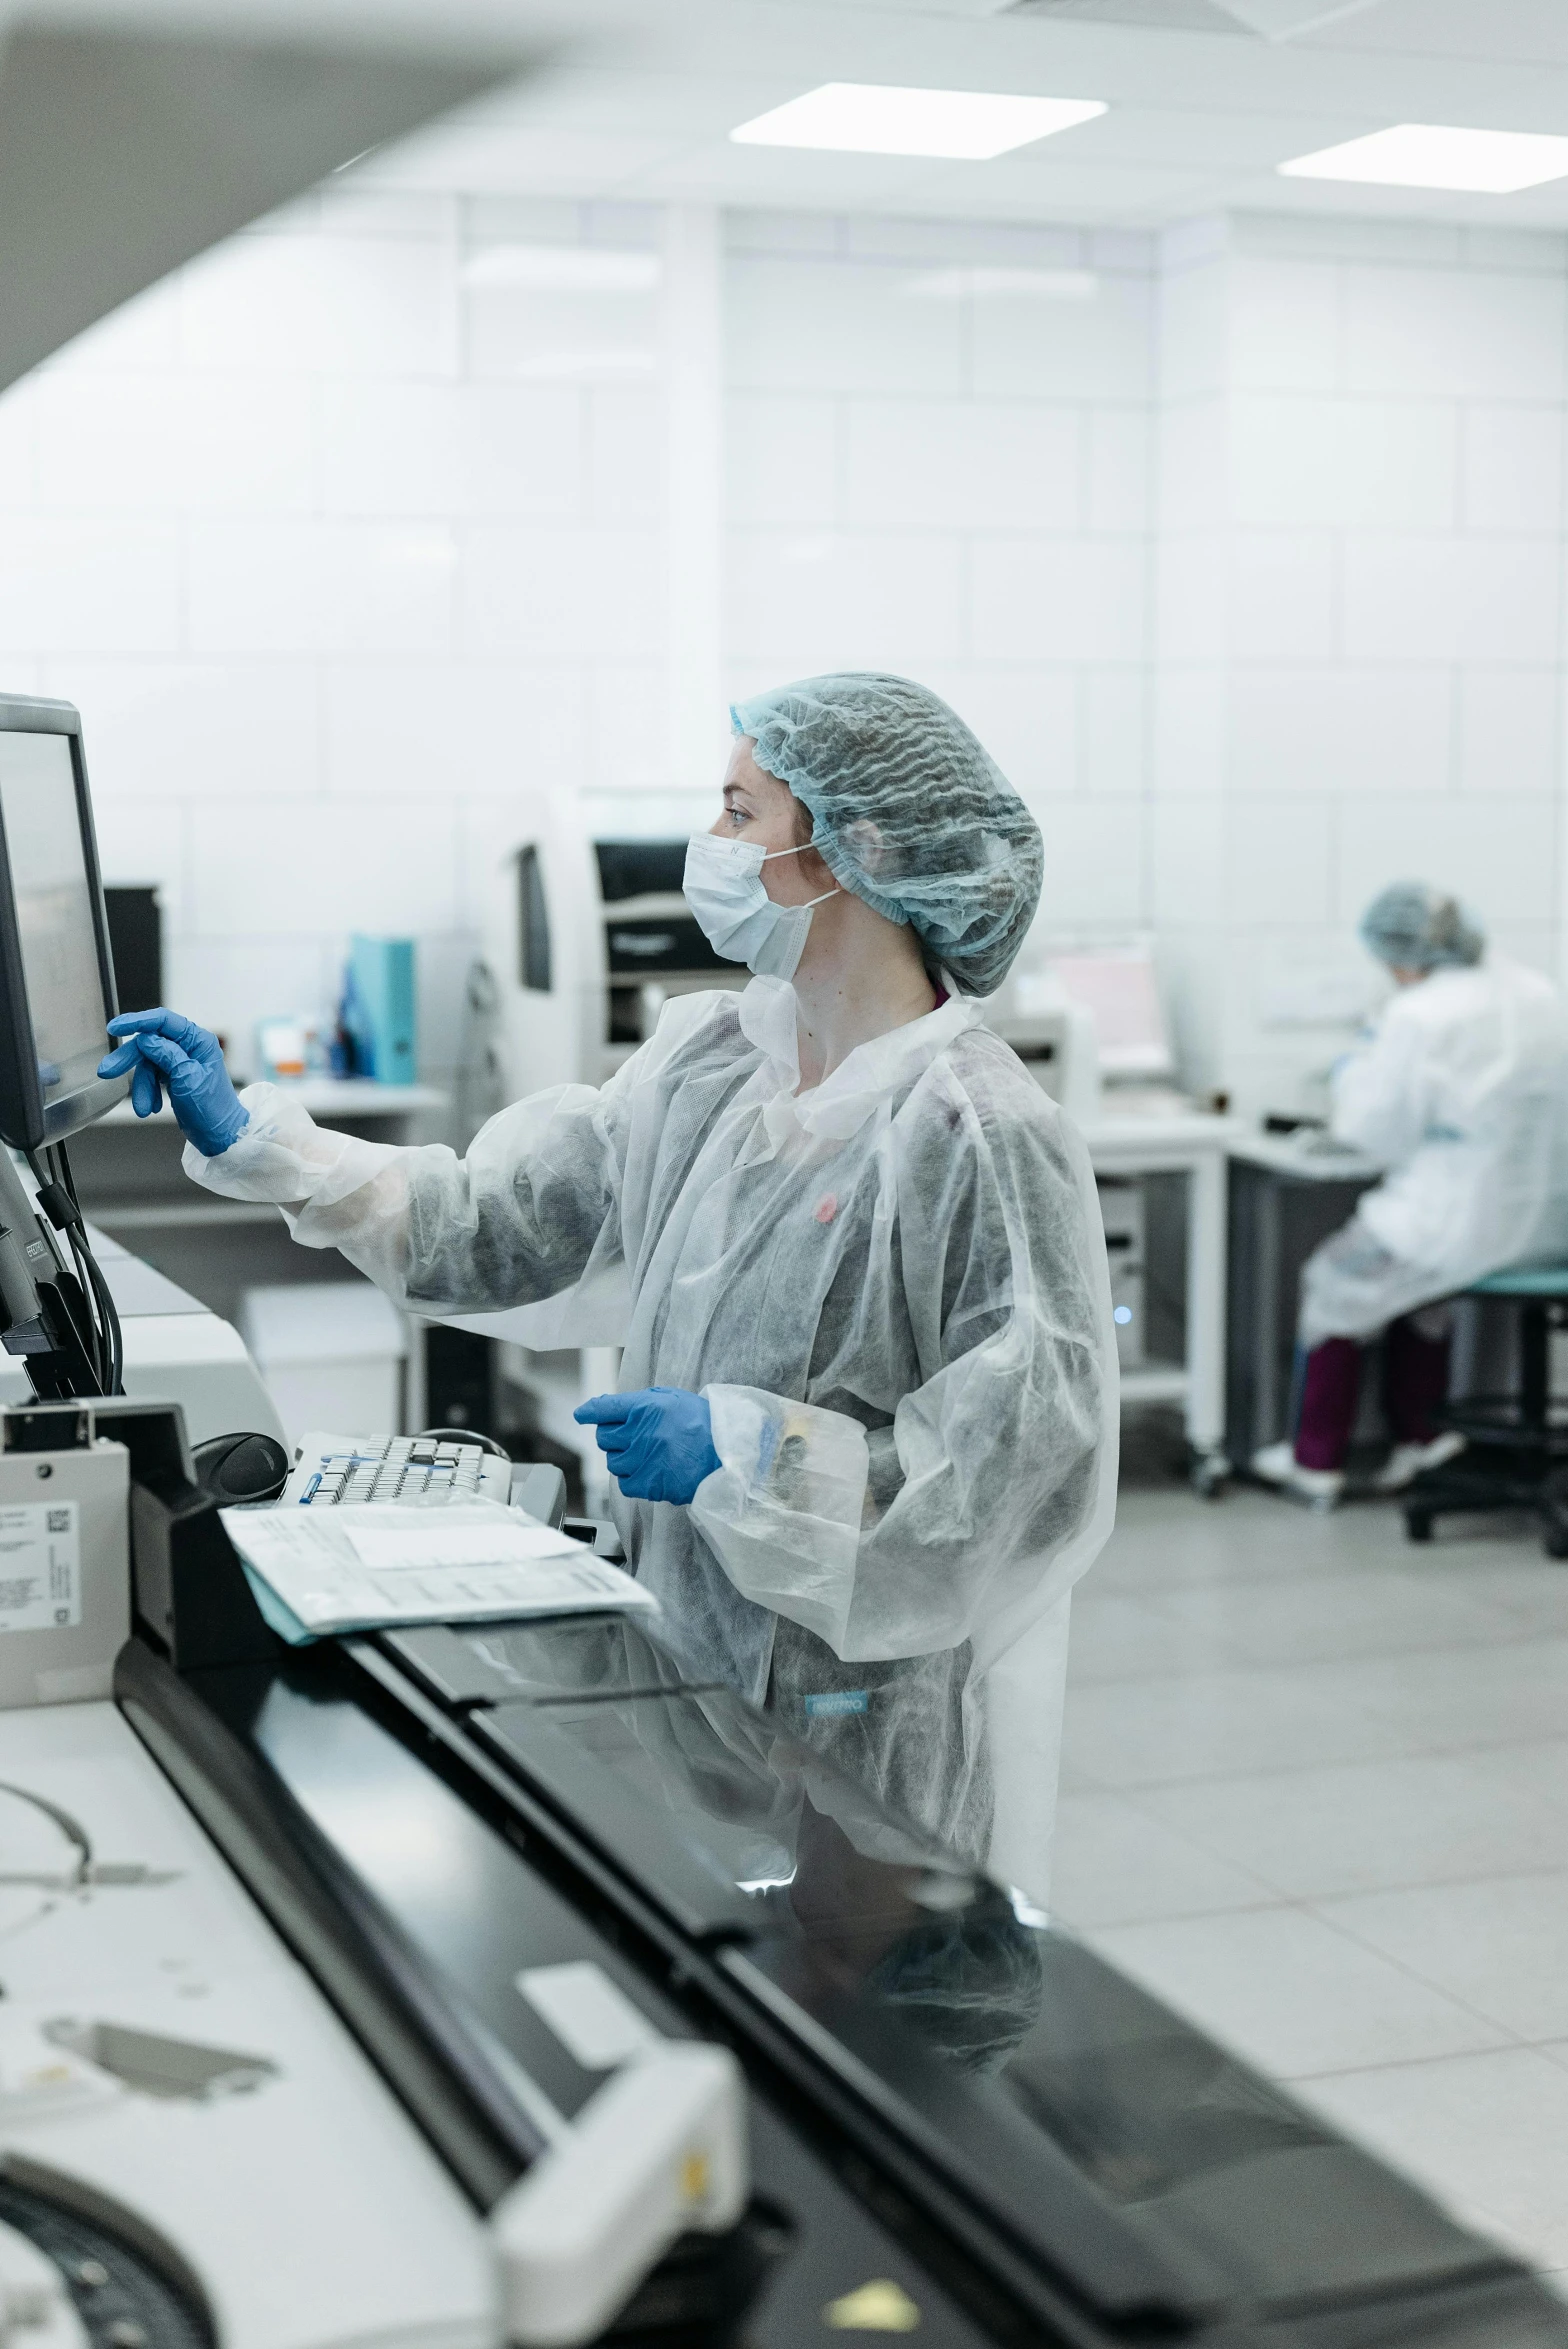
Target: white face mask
{"x":723,"y":885}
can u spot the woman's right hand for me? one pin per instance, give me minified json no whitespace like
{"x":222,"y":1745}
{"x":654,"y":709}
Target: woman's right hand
{"x":164,"y":1048}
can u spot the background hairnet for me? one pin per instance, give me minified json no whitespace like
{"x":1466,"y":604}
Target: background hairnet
{"x":1417,"y":928}
{"x":910,"y":811}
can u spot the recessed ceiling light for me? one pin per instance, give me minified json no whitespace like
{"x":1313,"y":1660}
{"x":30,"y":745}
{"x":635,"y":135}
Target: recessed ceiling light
{"x":1434,"y":155}
{"x":867,"y":118}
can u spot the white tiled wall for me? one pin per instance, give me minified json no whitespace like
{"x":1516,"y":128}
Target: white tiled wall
{"x":1382,"y":516}
{"x":1242,"y":552}
{"x":936,"y":468}
{"x":347,"y":562}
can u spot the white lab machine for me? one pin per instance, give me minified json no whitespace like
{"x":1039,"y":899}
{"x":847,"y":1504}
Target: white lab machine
{"x":581,"y":942}
{"x":1123,"y":1210}
{"x":1090,"y":1025}
{"x":329,"y":1351}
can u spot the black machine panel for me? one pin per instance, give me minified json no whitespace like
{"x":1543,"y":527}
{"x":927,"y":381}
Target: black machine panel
{"x":1028,"y":2148}
{"x":474,"y":1908}
{"x":1114,"y":2144}
{"x":639,"y":868}
{"x":645,"y":945}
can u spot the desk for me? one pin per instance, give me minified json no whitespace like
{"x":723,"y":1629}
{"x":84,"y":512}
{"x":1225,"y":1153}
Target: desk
{"x":1194,"y":1143}
{"x":1287,"y":1193}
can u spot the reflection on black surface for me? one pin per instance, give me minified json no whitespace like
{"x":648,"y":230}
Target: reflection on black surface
{"x":1031,"y":2060}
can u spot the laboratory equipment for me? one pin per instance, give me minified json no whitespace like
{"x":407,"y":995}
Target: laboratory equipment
{"x":1053,"y":1035}
{"x":582,"y":942}
{"x":65,"y":1590}
{"x":624,"y":1852}
{"x":135,"y":917}
{"x":329,"y":1351}
{"x":597,"y":1855}
{"x":1091,"y":1027}
{"x":56,"y":972}
{"x":379,"y":1013}
{"x":56,"y":995}
{"x":1122,"y":1208}
{"x":1285,"y":1197}
{"x":331,"y":1469}
{"x":1118,"y":988}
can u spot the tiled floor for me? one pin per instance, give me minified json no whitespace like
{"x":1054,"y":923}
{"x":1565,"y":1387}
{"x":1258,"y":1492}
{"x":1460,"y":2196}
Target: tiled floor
{"x":1315,"y":1793}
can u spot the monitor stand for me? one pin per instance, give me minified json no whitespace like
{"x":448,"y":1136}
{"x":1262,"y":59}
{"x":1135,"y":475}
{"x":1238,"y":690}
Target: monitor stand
{"x":42,"y":1310}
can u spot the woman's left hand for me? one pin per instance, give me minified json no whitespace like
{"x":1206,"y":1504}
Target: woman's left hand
{"x":657,"y":1441}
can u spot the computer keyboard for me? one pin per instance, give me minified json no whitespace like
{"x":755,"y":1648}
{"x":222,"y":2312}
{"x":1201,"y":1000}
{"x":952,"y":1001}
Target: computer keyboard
{"x":334,"y":1468}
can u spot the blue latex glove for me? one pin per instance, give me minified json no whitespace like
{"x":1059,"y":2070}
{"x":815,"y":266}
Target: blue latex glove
{"x":165,"y":1048}
{"x":658,"y":1441}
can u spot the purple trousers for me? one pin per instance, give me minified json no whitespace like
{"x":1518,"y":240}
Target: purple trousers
{"x":1415,"y":1382}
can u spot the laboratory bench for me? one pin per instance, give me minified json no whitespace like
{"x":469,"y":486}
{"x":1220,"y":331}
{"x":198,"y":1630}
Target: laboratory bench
{"x":1151,"y":1133}
{"x":960,"y":2119}
{"x":1288,"y":1192}
{"x":392,"y":1857}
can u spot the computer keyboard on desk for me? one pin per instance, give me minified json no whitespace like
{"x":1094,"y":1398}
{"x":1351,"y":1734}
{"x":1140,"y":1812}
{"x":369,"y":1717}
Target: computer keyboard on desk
{"x":335,"y":1468}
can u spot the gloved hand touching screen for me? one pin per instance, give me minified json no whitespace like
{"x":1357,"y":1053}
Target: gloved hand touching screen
{"x":657,"y":1441}
{"x":164,"y":1048}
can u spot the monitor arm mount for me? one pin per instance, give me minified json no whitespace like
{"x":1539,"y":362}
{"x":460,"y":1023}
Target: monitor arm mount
{"x":42,"y":1309}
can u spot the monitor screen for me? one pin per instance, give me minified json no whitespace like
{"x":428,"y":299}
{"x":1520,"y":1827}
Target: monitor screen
{"x":56,"y":929}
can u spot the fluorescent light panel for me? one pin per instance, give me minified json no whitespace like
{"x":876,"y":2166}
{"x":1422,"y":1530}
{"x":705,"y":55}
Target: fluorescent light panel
{"x":868,"y":118}
{"x":1436,"y":155}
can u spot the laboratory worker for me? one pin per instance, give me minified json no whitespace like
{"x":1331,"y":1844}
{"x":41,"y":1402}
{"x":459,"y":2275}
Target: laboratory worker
{"x":1459,"y":1090}
{"x":865,"y":1438}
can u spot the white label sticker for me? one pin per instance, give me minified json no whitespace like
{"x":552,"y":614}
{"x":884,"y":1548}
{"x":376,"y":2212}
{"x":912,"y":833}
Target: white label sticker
{"x":40,"y":1567}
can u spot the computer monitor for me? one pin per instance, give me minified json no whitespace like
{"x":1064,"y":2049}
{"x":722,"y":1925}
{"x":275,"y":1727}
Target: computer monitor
{"x":56,"y":973}
{"x":1117,"y":983}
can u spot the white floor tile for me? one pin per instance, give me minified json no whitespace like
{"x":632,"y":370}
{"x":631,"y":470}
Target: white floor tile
{"x":1360,"y":1827}
{"x":1171,"y":1540}
{"x":1477,"y":1695}
{"x":1116,"y":1636}
{"x":1114,"y":1865}
{"x":1292,"y":1995}
{"x":1487,"y":2133}
{"x":1498,"y":1947}
{"x":1264,"y":1701}
{"x":1152,"y":1732}
{"x":1292,"y":1620}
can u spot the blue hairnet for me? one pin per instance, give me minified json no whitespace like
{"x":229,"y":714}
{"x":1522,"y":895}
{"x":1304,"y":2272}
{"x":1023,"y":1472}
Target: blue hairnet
{"x":909,"y":812}
{"x":1414,"y":927}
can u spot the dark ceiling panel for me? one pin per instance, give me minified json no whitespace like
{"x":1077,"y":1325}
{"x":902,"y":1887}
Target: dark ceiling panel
{"x":121,"y":157}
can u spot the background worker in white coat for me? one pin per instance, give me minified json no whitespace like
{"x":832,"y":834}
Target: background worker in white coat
{"x":852,"y":1252}
{"x":1461,"y":1091}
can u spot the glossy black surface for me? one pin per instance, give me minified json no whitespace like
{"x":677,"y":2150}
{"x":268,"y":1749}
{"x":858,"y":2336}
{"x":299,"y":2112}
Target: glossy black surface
{"x":480,"y":1913}
{"x":1095,"y":2125}
{"x":1076,"y":2163}
{"x":571,"y":1657}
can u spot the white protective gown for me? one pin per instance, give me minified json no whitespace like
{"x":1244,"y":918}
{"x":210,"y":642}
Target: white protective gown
{"x":1462,"y":1092}
{"x":892,"y":1291}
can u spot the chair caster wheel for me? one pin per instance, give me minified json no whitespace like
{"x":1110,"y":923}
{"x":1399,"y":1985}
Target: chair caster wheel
{"x":1418,"y":1525}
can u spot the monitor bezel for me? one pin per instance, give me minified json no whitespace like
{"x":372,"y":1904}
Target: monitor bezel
{"x":27,"y":1122}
